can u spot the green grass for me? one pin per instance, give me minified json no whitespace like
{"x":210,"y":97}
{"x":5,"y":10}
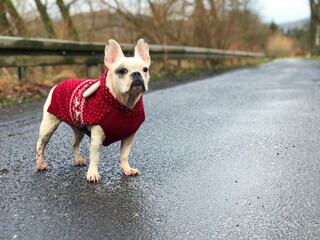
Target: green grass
{"x":170,"y":74}
{"x":314,"y":58}
{"x":5,"y":101}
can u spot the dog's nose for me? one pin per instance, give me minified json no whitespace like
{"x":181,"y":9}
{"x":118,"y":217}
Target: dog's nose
{"x":136,"y":74}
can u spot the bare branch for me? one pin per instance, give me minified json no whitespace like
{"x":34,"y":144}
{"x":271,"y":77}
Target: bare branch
{"x":64,"y":9}
{"x":46,"y":19}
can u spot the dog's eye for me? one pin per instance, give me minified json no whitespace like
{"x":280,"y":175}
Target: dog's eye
{"x":122,"y":71}
{"x":145,"y":69}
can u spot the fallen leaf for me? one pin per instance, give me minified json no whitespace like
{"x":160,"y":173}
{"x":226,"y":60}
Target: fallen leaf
{"x":4,"y":170}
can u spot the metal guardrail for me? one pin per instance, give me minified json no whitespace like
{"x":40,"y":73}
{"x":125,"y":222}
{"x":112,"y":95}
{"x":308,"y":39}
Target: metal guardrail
{"x":24,"y":52}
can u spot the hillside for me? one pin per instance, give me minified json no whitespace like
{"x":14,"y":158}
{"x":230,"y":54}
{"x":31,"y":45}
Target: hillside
{"x":300,"y":24}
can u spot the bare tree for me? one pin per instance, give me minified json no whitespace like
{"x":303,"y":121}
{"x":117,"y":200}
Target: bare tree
{"x":46,"y":20}
{"x":64,"y":9}
{"x":315,"y":27}
{"x":137,"y":23}
{"x":215,"y":24}
{"x":4,"y":23}
{"x":153,"y":20}
{"x":201,"y":31}
{"x":15,"y":23}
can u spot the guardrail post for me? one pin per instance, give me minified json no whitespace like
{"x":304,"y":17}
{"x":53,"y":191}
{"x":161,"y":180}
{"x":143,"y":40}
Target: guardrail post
{"x":22,"y":72}
{"x":179,"y":62}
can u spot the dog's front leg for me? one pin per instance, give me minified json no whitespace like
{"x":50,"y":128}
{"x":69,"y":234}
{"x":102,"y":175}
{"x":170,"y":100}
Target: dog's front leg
{"x":124,"y":155}
{"x":97,"y":138}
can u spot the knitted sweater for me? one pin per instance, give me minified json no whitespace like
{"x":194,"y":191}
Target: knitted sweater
{"x":100,"y":108}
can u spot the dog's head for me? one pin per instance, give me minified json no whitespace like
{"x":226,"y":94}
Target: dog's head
{"x":129,"y":74}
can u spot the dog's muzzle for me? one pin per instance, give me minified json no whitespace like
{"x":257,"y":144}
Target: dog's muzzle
{"x":137,"y":80}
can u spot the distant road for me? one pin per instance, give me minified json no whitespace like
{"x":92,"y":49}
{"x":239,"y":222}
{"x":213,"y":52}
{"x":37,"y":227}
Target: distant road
{"x":235,"y":156}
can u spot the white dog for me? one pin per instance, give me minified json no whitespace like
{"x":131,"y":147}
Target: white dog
{"x":108,"y":109}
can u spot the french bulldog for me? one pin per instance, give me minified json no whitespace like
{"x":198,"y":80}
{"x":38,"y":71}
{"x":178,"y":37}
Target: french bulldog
{"x":108,"y":109}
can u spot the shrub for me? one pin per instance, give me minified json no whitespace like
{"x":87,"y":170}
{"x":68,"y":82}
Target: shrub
{"x":279,"y":45}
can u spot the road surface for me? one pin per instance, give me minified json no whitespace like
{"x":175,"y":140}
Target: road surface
{"x":235,"y":156}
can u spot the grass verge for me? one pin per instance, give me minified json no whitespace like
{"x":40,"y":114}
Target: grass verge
{"x":8,"y":101}
{"x":200,"y":71}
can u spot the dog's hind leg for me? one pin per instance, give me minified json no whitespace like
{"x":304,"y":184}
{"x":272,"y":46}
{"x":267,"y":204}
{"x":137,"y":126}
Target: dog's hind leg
{"x":48,"y":125}
{"x":78,"y":136}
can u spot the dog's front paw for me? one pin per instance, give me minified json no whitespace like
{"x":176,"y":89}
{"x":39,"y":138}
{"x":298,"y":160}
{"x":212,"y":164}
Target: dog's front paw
{"x":130,"y":171}
{"x":80,"y":162}
{"x":93,"y":176}
{"x":42,"y":166}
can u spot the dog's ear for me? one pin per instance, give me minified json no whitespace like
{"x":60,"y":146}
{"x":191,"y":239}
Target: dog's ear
{"x":142,"y":51}
{"x":112,"y":53}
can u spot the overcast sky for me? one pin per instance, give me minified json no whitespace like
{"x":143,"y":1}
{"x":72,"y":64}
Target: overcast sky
{"x":282,"y":11}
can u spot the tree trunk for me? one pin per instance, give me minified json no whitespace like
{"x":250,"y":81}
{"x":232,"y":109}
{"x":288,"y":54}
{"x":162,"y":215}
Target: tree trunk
{"x":46,"y":19}
{"x":64,"y":9}
{"x":201,"y":32}
{"x":15,"y":19}
{"x":315,"y":27}
{"x":4,"y":23}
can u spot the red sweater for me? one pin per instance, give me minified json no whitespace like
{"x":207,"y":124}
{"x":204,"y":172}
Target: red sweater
{"x":100,"y":108}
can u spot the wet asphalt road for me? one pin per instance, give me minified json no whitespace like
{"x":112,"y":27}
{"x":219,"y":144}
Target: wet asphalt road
{"x":234,"y":156}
